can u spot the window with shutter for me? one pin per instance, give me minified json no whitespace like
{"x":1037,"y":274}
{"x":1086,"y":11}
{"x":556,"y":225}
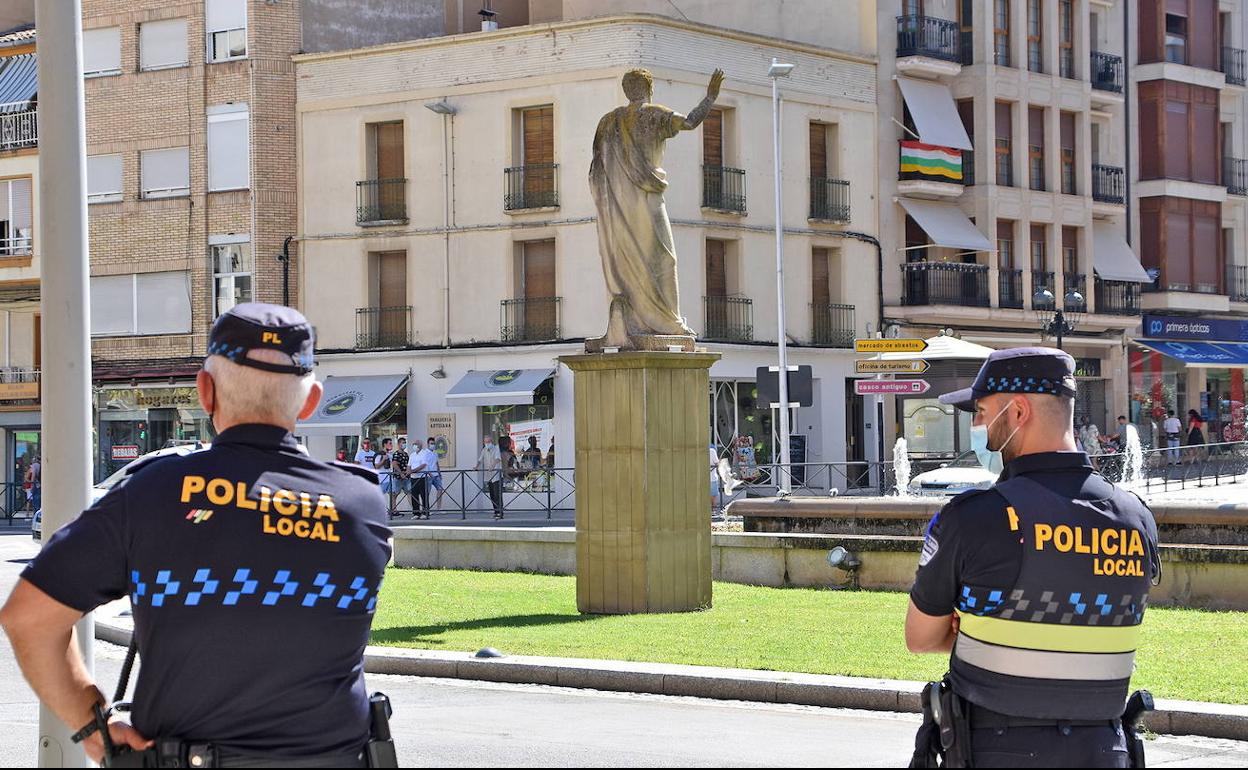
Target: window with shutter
{"x":820,"y":276}
{"x":1066,"y":122}
{"x":103,"y":178}
{"x":819,"y":150}
{"x":101,"y":51}
{"x":225,"y":23}
{"x":538,"y":155}
{"x":229,"y":147}
{"x":713,"y":139}
{"x":165,"y":173}
{"x":1004,"y":151}
{"x":1035,"y":146}
{"x":162,"y":44}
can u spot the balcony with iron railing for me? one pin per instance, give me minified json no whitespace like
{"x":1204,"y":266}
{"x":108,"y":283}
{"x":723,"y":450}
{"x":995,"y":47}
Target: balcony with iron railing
{"x":1235,"y":175}
{"x":379,"y":328}
{"x":832,"y":325}
{"x":944,"y":283}
{"x":530,"y":319}
{"x":1108,"y":184}
{"x":723,"y":189}
{"x":380,"y":201}
{"x":729,"y":319}
{"x":20,"y":245}
{"x":1106,"y":72}
{"x":1076,"y":282}
{"x":1237,"y":282}
{"x":1117,"y":297}
{"x":1235,"y":66}
{"x":535,"y":186}
{"x":1010,"y":288}
{"x":19,"y":126}
{"x":928,"y":36}
{"x":19,"y":388}
{"x":829,"y":199}
{"x":1043,"y":279}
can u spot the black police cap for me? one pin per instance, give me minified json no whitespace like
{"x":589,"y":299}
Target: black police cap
{"x":1018,"y":370}
{"x":260,"y":326}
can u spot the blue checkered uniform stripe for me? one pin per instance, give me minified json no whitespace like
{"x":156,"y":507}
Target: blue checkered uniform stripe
{"x":1022,"y":385}
{"x":1077,"y":609}
{"x":164,"y":588}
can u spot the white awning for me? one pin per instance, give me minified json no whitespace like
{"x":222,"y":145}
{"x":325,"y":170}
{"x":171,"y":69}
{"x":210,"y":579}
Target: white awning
{"x":349,"y":402}
{"x":946,"y":225}
{"x":935,"y":115}
{"x":506,"y":387}
{"x":1112,"y":258}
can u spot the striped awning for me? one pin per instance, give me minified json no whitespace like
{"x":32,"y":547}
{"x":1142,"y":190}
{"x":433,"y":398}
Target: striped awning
{"x":19,"y":82}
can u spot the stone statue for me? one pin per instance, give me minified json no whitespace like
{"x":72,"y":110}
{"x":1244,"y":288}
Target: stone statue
{"x":634,"y":233}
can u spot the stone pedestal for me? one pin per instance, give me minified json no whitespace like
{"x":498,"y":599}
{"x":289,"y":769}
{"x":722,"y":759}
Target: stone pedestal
{"x":643,"y":525}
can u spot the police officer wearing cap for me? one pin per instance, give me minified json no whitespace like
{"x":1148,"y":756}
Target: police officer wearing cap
{"x":252,"y":570}
{"x":1036,"y":586}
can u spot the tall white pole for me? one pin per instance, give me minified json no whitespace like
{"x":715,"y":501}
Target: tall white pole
{"x":64,"y":271}
{"x":786,"y":472}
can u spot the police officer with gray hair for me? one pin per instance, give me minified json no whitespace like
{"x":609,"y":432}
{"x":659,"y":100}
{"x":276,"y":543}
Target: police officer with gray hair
{"x":253,"y":572}
{"x":1037,"y":587}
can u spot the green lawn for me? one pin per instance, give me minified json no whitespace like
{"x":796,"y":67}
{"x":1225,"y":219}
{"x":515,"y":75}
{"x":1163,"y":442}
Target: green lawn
{"x":1187,"y":654}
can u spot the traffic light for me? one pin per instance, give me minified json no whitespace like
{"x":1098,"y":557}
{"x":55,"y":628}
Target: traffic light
{"x":142,"y":431}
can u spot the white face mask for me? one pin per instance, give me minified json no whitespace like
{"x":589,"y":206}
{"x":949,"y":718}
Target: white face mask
{"x":990,"y":458}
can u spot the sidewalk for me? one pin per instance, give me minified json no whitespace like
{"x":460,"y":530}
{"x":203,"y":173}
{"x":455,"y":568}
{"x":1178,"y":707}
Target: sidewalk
{"x":1212,"y":720}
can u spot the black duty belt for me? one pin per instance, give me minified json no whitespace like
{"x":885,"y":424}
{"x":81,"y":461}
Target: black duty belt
{"x":982,"y":718}
{"x":175,"y":753}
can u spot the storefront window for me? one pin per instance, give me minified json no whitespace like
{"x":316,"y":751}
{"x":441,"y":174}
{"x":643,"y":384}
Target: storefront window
{"x":135,"y":421}
{"x":25,"y":449}
{"x":933,"y":428}
{"x":1222,"y":405}
{"x":496,"y":419}
{"x":1158,"y":384}
{"x":735,"y":412}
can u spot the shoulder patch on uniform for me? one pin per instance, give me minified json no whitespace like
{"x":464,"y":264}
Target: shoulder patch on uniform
{"x":930,"y":547}
{"x":358,"y":470}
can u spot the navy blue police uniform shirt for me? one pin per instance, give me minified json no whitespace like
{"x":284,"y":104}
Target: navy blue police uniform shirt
{"x":969,"y":543}
{"x":253,"y":571}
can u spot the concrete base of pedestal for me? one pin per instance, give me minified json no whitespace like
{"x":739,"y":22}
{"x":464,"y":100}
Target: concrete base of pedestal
{"x":643,"y":527}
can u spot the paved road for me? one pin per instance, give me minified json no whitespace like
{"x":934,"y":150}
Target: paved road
{"x":456,"y":723}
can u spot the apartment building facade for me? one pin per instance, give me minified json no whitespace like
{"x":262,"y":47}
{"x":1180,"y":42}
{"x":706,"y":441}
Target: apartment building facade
{"x":1189,"y":105}
{"x":450,"y":244}
{"x":20,"y":259}
{"x":1004,"y":192}
{"x":191,"y":187}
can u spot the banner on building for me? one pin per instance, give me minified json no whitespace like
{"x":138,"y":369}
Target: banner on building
{"x":930,"y":161}
{"x":442,"y":429}
{"x":544,"y":430}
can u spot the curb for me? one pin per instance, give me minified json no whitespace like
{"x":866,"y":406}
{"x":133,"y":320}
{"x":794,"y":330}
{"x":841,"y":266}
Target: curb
{"x":1172,"y":717}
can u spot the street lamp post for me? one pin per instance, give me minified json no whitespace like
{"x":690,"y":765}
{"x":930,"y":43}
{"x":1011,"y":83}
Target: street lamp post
{"x":1058,"y":321}
{"x":775,"y":72}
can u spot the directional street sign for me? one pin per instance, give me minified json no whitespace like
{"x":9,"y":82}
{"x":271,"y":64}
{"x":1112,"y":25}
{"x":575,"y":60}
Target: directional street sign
{"x":890,"y":387}
{"x":890,"y":346}
{"x":913,"y":366}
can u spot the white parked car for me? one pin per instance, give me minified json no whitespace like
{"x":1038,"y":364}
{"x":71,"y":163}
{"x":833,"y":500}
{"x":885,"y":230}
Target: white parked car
{"x":953,"y":478}
{"x":101,"y":489}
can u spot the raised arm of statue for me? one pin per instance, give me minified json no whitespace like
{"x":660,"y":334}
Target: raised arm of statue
{"x":699,"y":113}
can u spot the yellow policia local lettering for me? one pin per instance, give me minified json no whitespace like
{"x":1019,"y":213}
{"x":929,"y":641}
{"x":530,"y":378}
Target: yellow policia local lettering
{"x":286,"y":513}
{"x":1097,"y":542}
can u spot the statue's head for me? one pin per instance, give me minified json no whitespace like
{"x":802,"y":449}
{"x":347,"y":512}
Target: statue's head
{"x":638,"y":85}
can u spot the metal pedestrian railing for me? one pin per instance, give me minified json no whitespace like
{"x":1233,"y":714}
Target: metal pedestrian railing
{"x":380,"y":200}
{"x":534,"y":186}
{"x":529,"y":491}
{"x":1188,"y":466}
